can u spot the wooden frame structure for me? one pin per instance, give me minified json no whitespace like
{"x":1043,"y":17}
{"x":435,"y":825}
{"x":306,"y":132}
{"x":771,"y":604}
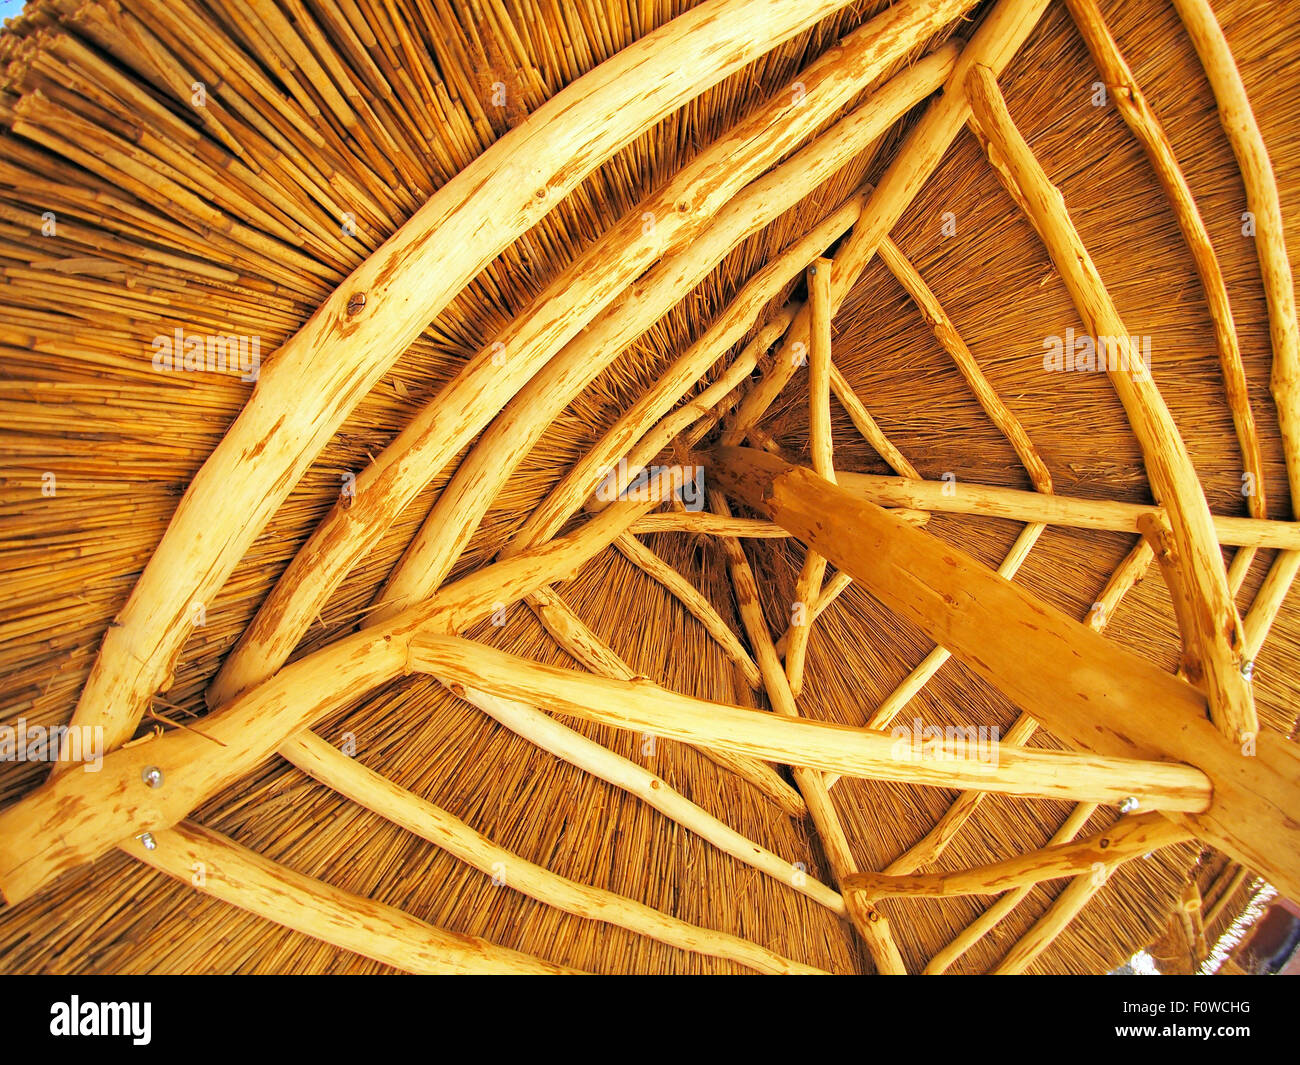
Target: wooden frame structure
{"x":1188,"y":750}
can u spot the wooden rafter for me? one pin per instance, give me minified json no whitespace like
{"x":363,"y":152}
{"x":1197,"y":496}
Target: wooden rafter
{"x":1088,"y":692}
{"x":364,"y":786}
{"x":963,"y":497}
{"x":220,"y":867}
{"x":1130,"y":837}
{"x":1215,"y":640}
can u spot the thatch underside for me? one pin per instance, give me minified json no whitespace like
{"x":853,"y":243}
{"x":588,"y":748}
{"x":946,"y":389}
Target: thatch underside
{"x":123,"y":443}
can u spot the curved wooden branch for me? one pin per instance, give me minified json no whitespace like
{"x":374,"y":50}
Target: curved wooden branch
{"x":1129,"y":837}
{"x":219,"y":867}
{"x":1141,"y":119}
{"x":349,"y":777}
{"x":1215,"y":640}
{"x":316,"y":378}
{"x":1238,"y":121}
{"x":707,"y":184}
{"x":563,"y":742}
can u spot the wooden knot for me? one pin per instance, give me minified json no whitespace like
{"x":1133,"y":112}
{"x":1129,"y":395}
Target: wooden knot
{"x":356,"y":301}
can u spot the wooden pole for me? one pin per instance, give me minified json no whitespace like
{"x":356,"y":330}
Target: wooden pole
{"x":1142,"y":121}
{"x":1130,"y":837}
{"x":961,"y":497}
{"x":952,"y":761}
{"x":1215,"y":640}
{"x":809,"y":584}
{"x":219,"y":867}
{"x":349,"y":777}
{"x":1087,"y":691}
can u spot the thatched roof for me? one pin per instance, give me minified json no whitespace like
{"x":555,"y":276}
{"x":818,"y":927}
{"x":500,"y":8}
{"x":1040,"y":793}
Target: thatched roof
{"x":262,"y":171}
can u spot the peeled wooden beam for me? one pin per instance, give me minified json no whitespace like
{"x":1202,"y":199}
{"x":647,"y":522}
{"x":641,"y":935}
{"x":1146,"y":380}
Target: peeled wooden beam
{"x":809,"y":583}
{"x":866,"y":425}
{"x":911,"y":685}
{"x":1268,"y":600}
{"x":932,"y":845}
{"x":76,"y":816}
{"x":691,"y":597}
{"x":986,"y":921}
{"x":645,"y":707}
{"x":585,"y":646}
{"x":1238,"y":121}
{"x":315,"y":379}
{"x":236,"y":875}
{"x":706,"y":524}
{"x":951,"y":342}
{"x":960,"y":497}
{"x":1141,"y":119}
{"x":998,"y":38}
{"x":364,"y":786}
{"x":576,"y":749}
{"x":1129,"y":837}
{"x":723,"y":215}
{"x":1215,"y":641}
{"x":1088,"y":692}
{"x":869,"y":922}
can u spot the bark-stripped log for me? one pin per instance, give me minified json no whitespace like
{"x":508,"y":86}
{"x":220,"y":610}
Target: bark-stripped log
{"x":679,"y":212}
{"x":349,"y":777}
{"x":1087,"y":691}
{"x":952,"y":762}
{"x":1214,"y":641}
{"x":1141,"y":119}
{"x":1130,"y":837}
{"x":961,"y":497}
{"x":236,"y":875}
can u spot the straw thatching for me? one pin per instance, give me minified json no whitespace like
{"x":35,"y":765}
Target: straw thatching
{"x":286,"y":602}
